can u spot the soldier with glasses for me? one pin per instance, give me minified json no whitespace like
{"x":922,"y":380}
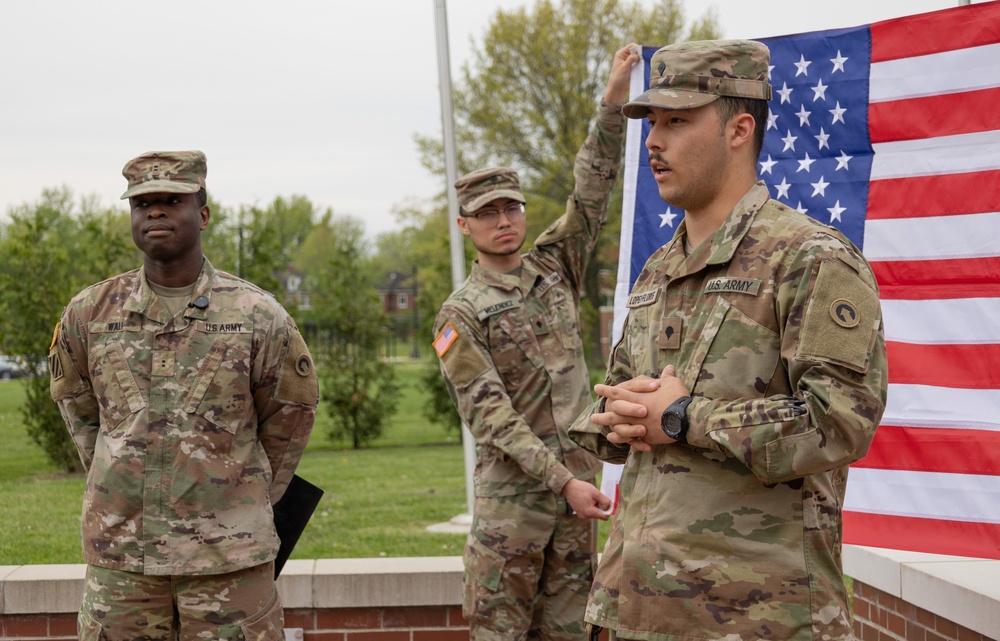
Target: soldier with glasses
{"x":510,"y":350}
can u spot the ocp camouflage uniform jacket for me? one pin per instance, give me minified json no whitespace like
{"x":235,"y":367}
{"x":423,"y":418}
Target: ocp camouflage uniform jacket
{"x":190,"y":427}
{"x":516,"y":371}
{"x":774,"y":325}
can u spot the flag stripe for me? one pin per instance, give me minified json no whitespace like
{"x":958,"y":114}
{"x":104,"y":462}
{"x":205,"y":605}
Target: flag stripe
{"x":923,"y":196}
{"x":962,"y":538}
{"x":916,"y":280}
{"x":948,"y":72}
{"x":919,"y":321}
{"x":934,"y":238}
{"x":934,"y":32}
{"x":938,"y":115}
{"x":933,"y":406}
{"x":969,"y":366}
{"x":926,"y":495}
{"x":935,"y":156}
{"x":928,"y":449}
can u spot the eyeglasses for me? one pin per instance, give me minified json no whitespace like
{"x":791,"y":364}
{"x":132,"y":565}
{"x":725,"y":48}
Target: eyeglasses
{"x":491,"y":217}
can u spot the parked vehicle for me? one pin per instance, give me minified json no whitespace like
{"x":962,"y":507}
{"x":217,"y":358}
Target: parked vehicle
{"x":11,"y":367}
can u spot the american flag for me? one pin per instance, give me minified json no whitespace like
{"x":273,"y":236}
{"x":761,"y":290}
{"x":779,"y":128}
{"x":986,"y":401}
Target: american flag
{"x":445,"y":339}
{"x":891,"y":133}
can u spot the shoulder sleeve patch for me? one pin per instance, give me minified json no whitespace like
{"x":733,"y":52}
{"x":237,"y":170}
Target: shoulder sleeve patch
{"x":462,"y":360}
{"x":297,"y":379}
{"x":842,"y":320}
{"x":63,"y":378}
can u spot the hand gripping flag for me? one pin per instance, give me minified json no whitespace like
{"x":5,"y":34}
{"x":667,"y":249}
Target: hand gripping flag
{"x":891,"y":132}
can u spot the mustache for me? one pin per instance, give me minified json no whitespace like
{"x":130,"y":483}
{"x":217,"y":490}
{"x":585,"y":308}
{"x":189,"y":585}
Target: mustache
{"x":657,"y":157}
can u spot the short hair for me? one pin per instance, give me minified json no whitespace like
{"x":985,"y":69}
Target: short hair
{"x":202,"y":197}
{"x":730,"y":106}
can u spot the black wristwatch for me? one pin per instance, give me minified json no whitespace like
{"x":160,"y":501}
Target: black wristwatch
{"x":674,"y":420}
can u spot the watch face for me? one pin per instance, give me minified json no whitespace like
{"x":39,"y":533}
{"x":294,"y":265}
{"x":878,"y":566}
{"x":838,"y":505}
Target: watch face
{"x":671,"y":424}
{"x":674,"y":419}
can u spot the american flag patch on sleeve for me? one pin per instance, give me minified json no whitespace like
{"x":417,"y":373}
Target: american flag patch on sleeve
{"x":445,"y":339}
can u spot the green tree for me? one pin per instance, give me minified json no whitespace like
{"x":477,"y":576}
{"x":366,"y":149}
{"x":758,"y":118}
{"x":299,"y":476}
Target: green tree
{"x":526,"y":100}
{"x":219,"y":241}
{"x":359,"y":388}
{"x":423,"y":240}
{"x":269,"y":238}
{"x":48,"y":255}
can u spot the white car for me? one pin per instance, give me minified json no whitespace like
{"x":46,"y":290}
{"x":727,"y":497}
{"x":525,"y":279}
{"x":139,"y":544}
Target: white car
{"x":11,"y":367}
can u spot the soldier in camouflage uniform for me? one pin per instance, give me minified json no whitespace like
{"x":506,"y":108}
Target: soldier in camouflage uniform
{"x":511,"y":354}
{"x":190,"y":395}
{"x":751,"y":372}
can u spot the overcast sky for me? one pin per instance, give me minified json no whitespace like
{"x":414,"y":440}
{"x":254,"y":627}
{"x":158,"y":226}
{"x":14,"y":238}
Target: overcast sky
{"x":320,"y":98}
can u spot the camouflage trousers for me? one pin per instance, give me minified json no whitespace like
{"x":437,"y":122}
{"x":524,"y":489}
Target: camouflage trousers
{"x":238,"y":606}
{"x":528,"y":569}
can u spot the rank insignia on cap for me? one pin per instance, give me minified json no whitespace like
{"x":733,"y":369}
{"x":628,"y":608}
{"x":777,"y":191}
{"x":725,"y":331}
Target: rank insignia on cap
{"x":445,"y":339}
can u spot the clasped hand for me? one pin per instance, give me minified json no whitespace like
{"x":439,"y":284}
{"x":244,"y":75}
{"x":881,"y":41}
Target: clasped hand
{"x":633,"y":409}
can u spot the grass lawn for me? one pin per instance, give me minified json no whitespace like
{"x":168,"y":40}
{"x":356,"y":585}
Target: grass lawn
{"x":378,"y":501}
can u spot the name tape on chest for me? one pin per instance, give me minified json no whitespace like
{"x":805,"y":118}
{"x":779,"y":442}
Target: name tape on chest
{"x":643,"y":298}
{"x":547,"y":284}
{"x":112,"y":326}
{"x":496,"y":308}
{"x":727,"y":285}
{"x":223,"y":328}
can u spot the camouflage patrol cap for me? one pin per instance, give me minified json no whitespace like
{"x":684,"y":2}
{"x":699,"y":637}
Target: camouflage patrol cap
{"x":175,"y":172}
{"x":692,"y":74}
{"x":477,"y":188}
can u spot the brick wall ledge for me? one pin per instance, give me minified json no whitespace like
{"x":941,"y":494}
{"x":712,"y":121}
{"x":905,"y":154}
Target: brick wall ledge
{"x":963,"y":590}
{"x":316,"y":584}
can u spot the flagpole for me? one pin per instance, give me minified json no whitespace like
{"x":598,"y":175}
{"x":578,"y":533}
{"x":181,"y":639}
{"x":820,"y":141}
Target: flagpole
{"x":455,"y":235}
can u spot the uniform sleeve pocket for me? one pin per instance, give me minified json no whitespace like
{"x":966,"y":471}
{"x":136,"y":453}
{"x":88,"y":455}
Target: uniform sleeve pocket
{"x":842,"y":320}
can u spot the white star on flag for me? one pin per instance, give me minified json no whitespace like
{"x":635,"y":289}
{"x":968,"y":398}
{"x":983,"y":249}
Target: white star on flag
{"x":838,"y":62}
{"x":785,"y":93}
{"x":802,"y":66}
{"x":819,"y":91}
{"x":803,"y":116}
{"x":783,"y":188}
{"x":667,"y":218}
{"x":835,"y":212}
{"x":789,"y":141}
{"x":838,"y":113}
